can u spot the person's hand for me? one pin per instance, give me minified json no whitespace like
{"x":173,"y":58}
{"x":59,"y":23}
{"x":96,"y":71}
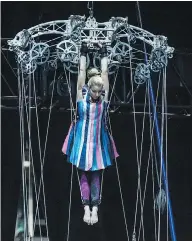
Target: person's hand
{"x":84,"y":49}
{"x":103,"y":50}
{"x":100,"y":45}
{"x":83,"y":45}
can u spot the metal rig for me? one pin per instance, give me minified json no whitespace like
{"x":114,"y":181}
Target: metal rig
{"x":127,"y":45}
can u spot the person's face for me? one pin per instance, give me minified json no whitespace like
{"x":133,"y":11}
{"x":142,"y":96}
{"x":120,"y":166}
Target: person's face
{"x":95,"y":91}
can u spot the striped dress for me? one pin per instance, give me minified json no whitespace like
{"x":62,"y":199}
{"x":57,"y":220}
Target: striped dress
{"x":88,"y":145}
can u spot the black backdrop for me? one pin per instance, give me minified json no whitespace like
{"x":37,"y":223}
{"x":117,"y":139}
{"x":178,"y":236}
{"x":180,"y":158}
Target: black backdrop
{"x":57,"y":175}
{"x":167,"y":18}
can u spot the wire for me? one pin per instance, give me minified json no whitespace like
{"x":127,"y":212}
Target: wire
{"x":8,"y":85}
{"x":72,"y":108}
{"x":28,"y":115}
{"x":150,"y":151}
{"x":40,"y":158}
{"x":22,"y":151}
{"x":9,"y":64}
{"x":90,"y":8}
{"x":117,"y":170}
{"x":30,"y":145}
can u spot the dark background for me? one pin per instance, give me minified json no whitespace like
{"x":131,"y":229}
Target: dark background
{"x":172,"y":19}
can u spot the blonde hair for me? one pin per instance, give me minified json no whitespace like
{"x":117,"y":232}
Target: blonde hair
{"x":93,"y":72}
{"x":95,"y":80}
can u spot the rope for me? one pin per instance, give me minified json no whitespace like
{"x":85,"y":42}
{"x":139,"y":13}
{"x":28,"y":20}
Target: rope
{"x":30,"y":202}
{"x":154,"y":154}
{"x":90,"y":7}
{"x":30,"y":150}
{"x":9,"y":64}
{"x":30,"y":155}
{"x":40,"y":155}
{"x":141,"y":151}
{"x":121,"y":195}
{"x":118,"y":177}
{"x":69,"y":217}
{"x":150,"y":156}
{"x":154,"y":213}
{"x":22,"y":155}
{"x":162,"y":129}
{"x":42,"y":163}
{"x":21,"y":92}
{"x":136,"y":142}
{"x":72,"y":108}
{"x":71,"y":180}
{"x":161,"y":151}
{"x":9,"y":87}
{"x":26,"y":190}
{"x":166,"y":163}
{"x":49,"y":118}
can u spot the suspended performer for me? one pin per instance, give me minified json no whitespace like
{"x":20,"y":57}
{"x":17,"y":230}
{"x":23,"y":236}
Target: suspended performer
{"x":88,"y":145}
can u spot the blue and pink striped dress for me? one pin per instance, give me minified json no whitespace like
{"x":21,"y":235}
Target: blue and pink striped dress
{"x":88,"y":145}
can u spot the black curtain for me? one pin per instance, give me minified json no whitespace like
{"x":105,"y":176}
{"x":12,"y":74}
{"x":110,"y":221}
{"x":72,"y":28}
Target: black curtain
{"x":10,"y":172}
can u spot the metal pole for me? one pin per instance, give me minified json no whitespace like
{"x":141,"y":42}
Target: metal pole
{"x":124,"y":84}
{"x":171,"y":221}
{"x":43,"y":76}
{"x":30,"y":194}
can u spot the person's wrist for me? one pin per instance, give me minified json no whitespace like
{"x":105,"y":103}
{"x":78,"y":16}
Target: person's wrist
{"x":103,"y":51}
{"x":84,"y":49}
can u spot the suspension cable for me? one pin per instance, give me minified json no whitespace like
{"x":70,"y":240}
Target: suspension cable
{"x":136,"y":141}
{"x":166,"y":144}
{"x":152,"y":124}
{"x":41,"y":166}
{"x":117,"y":170}
{"x":22,"y":150}
{"x":46,"y":138}
{"x":103,"y":171}
{"x":30,"y":152}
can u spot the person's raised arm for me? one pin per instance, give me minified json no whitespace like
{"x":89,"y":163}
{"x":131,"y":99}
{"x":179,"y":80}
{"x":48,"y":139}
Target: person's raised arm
{"x":104,"y":69}
{"x":82,"y":71}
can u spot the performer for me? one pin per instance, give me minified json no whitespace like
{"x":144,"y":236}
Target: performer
{"x":88,"y":145}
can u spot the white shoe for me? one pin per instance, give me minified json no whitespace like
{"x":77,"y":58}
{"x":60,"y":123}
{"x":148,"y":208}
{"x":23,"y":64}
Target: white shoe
{"x":94,"y":215}
{"x":87,"y":215}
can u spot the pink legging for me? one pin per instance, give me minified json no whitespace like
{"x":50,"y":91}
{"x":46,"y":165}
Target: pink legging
{"x":90,"y":187}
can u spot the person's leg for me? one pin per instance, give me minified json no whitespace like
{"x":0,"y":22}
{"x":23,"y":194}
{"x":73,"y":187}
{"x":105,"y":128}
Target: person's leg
{"x":95,"y":188}
{"x":95,"y":195}
{"x":85,"y":188}
{"x":85,"y":195}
